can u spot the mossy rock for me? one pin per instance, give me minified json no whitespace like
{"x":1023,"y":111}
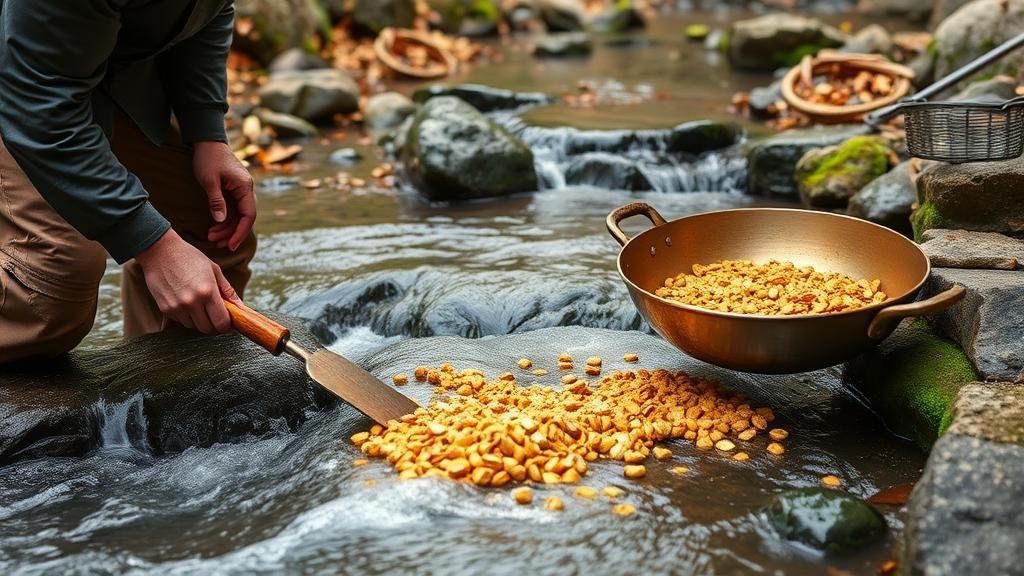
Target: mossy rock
{"x":697,"y":32}
{"x":467,"y":17}
{"x":976,"y":28}
{"x":278,"y":25}
{"x":775,"y":40}
{"x":980,"y":196}
{"x":828,"y":177}
{"x":369,"y":17}
{"x":827,"y":520}
{"x":912,"y":379}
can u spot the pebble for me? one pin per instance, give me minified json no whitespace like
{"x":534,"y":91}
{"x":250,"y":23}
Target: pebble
{"x":400,"y":379}
{"x":778,"y":434}
{"x":725,"y":445}
{"x":635,"y":471}
{"x":523,"y":495}
{"x":661,"y":453}
{"x":680,"y":470}
{"x":565,"y":358}
{"x":594,"y":361}
{"x":586,"y":492}
{"x":554,"y":504}
{"x":568,"y":379}
{"x":741,"y":456}
{"x":612,"y":491}
{"x":624,"y":509}
{"x":831,"y":481}
{"x":776,"y":448}
{"x":631,"y":357}
{"x":540,"y":372}
{"x":525,"y":363}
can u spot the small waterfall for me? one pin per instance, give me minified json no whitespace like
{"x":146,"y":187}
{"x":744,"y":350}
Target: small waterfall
{"x":638,"y":160}
{"x":123,"y":424}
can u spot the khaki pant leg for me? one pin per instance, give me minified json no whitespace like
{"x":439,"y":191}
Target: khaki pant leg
{"x":49,"y":273}
{"x":166,"y":172}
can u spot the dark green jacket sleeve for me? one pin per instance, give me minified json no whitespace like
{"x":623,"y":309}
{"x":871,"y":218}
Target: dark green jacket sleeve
{"x":197,"y":69}
{"x":53,"y":53}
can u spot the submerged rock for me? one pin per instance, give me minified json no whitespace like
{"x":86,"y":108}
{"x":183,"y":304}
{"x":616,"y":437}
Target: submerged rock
{"x":772,"y":161}
{"x":563,"y":44}
{"x":966,"y":513}
{"x":826,"y":519}
{"x":987,"y":324}
{"x":618,"y":19}
{"x":911,"y":379}
{"x":887,"y":200}
{"x":606,"y":171}
{"x":345,"y":157}
{"x":454,"y":152}
{"x":973,"y":30}
{"x":828,"y":177}
{"x":369,"y":17}
{"x":278,"y":25}
{"x":561,"y":15}
{"x":168,"y":391}
{"x":763,"y":100}
{"x":313,"y":95}
{"x":484,"y":98}
{"x":983,"y":196}
{"x":387,"y":110}
{"x":774,"y":40}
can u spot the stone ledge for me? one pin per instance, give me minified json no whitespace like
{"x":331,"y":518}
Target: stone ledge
{"x":966,"y":514}
{"x":988,"y":323}
{"x":969,"y":249}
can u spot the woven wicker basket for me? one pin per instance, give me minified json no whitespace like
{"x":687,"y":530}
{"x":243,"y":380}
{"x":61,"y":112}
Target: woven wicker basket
{"x":851,"y":64}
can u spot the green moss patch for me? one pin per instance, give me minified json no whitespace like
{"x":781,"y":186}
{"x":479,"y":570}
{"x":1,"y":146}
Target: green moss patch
{"x":912,"y":379}
{"x":926,"y":217}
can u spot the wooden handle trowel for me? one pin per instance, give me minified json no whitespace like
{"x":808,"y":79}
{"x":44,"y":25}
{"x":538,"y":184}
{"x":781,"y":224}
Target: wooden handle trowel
{"x":338,"y":375}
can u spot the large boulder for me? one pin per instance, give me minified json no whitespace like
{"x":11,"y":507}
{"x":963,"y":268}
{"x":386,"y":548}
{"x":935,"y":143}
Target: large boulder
{"x":371,"y":16}
{"x":987,"y":324}
{"x":452,"y":152}
{"x":871,"y":39}
{"x":966,"y":513}
{"x":825,"y":519}
{"x":562,"y":15}
{"x":618,"y":18}
{"x":313,"y":95}
{"x":266,"y":28}
{"x":387,"y":110}
{"x":911,"y":380}
{"x":162,"y":392}
{"x":774,"y":40}
{"x":942,"y":9}
{"x":828,"y":177}
{"x":976,"y":28}
{"x":771,"y":162}
{"x":887,"y":200}
{"x":484,"y":98}
{"x":982,"y":196}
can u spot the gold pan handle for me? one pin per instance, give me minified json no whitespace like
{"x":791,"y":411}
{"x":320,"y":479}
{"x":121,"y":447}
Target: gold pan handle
{"x":634,"y":209}
{"x":887,"y":318}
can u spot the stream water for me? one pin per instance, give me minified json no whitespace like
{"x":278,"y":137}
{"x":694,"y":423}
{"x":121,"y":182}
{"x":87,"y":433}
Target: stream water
{"x":372,"y":267}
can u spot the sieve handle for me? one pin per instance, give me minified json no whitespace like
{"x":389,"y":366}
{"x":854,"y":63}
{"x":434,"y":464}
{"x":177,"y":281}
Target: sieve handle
{"x":887,"y":318}
{"x":634,"y":209}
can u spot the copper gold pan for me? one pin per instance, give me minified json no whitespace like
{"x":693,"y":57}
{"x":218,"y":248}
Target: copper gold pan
{"x":773,"y":344}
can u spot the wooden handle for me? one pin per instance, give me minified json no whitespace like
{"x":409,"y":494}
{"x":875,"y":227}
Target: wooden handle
{"x":258,"y":328}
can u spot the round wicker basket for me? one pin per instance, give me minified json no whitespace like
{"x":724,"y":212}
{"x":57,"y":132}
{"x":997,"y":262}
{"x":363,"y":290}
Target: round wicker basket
{"x":851,"y":64}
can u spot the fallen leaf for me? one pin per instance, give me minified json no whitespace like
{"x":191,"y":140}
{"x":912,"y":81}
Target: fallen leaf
{"x":892,"y":496}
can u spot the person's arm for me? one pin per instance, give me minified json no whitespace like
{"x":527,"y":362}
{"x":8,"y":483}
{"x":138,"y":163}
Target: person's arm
{"x":197,"y":69}
{"x":53,"y":54}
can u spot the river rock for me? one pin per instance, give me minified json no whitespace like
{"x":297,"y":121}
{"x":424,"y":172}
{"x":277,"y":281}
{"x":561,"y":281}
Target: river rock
{"x":606,"y":171}
{"x":618,"y":19}
{"x":454,"y":152}
{"x":987,"y":323}
{"x":276,"y":26}
{"x":345,"y":157}
{"x":296,"y":59}
{"x":942,"y":9}
{"x":969,"y":249}
{"x":774,"y":40}
{"x":828,"y":177}
{"x":313,"y":95}
{"x":563,"y":44}
{"x":966,"y":513}
{"x":387,"y":110}
{"x":763,"y":100}
{"x":177,"y":388}
{"x":562,"y":15}
{"x":915,"y":10}
{"x":887,"y":200}
{"x":474,"y":18}
{"x":982,"y":196}
{"x":826,"y":519}
{"x":772,"y":161}
{"x":286,"y":125}
{"x":484,"y":98}
{"x":911,"y":380}
{"x":369,"y":17}
{"x":871,"y":39}
{"x":976,"y":28}
{"x":1001,"y":87}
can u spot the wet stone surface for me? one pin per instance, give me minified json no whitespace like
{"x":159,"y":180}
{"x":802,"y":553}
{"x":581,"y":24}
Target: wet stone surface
{"x":969,"y":249}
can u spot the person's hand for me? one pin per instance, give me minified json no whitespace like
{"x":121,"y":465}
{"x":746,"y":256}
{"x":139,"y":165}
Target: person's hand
{"x":187,"y":286}
{"x":228,"y":186}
